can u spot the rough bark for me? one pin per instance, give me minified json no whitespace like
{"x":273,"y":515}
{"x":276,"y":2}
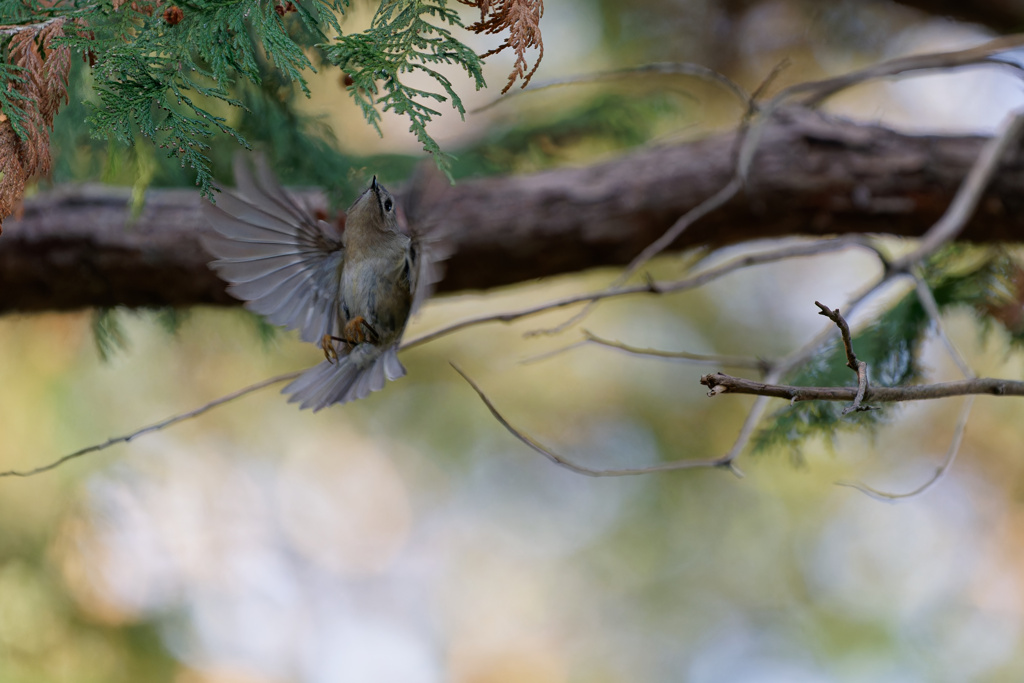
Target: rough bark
{"x":79,"y":247}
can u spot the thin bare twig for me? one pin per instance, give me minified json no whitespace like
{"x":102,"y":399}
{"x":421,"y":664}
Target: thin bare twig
{"x":819,"y":91}
{"x":801,"y":355}
{"x":758,"y":364}
{"x":931,"y":307}
{"x":153,"y":427}
{"x":766,"y":83}
{"x":927,"y":298}
{"x":587,"y":471}
{"x":658,"y":69}
{"x":798,"y":250}
{"x":968,"y":195}
{"x":815,"y":92}
{"x":720,"y":383}
{"x":547,"y":355}
{"x":940,"y":471}
{"x":844,"y":330}
{"x":712,"y":203}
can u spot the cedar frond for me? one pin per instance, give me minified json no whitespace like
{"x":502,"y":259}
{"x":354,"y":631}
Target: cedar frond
{"x":521,"y":18}
{"x":37,"y":77}
{"x":406,"y":36}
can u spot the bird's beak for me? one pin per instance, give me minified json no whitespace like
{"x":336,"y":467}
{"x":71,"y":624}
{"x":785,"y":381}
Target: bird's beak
{"x":374,"y":186}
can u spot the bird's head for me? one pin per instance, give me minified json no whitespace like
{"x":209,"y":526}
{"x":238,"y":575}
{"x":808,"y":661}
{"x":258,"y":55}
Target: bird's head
{"x":373,"y":212}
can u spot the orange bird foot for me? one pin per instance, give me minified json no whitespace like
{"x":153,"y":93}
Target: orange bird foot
{"x":357,"y":331}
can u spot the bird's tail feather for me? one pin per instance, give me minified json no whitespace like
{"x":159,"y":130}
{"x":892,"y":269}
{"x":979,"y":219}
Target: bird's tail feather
{"x":351,"y":377}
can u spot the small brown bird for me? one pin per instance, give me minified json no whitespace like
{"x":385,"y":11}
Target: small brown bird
{"x":350,"y":293}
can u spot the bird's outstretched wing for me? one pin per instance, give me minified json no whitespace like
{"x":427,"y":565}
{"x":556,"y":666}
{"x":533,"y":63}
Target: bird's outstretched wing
{"x":281,"y":260}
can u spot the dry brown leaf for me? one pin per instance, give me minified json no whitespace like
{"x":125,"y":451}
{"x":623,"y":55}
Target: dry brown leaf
{"x":56,"y":68}
{"x":521,"y":18}
{"x":45,"y":89}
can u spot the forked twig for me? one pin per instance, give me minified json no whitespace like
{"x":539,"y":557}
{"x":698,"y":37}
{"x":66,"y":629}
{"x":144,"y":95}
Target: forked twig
{"x":858,"y":366}
{"x":786,"y":365}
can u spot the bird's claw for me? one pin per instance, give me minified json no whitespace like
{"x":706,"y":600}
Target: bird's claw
{"x":330,"y":353}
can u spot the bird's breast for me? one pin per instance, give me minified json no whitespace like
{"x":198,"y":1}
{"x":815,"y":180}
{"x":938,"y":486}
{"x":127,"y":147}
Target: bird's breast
{"x":377,"y":289}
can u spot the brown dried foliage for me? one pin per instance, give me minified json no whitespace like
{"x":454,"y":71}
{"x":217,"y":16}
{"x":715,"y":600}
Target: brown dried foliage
{"x":34,"y":48}
{"x":521,"y":18}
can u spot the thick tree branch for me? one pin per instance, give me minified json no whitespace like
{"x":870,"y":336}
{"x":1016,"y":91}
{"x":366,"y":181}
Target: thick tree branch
{"x":1005,"y":16}
{"x":78,"y":247}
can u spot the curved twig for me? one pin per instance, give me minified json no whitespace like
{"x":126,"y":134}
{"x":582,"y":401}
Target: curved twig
{"x":858,"y":366}
{"x":581,"y":469}
{"x":940,"y":471}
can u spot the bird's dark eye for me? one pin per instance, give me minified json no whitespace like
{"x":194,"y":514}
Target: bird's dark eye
{"x":388,"y":205}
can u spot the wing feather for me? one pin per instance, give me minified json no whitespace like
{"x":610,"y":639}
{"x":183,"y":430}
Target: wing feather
{"x":275,"y":254}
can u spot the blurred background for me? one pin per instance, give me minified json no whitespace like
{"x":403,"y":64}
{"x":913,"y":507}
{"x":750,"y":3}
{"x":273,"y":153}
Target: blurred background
{"x":408,"y":537}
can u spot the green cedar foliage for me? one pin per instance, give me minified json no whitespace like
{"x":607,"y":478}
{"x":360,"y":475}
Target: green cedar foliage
{"x":161,"y":78}
{"x":172,"y":74}
{"x":12,"y":100}
{"x":400,"y":41}
{"x":108,"y":333}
